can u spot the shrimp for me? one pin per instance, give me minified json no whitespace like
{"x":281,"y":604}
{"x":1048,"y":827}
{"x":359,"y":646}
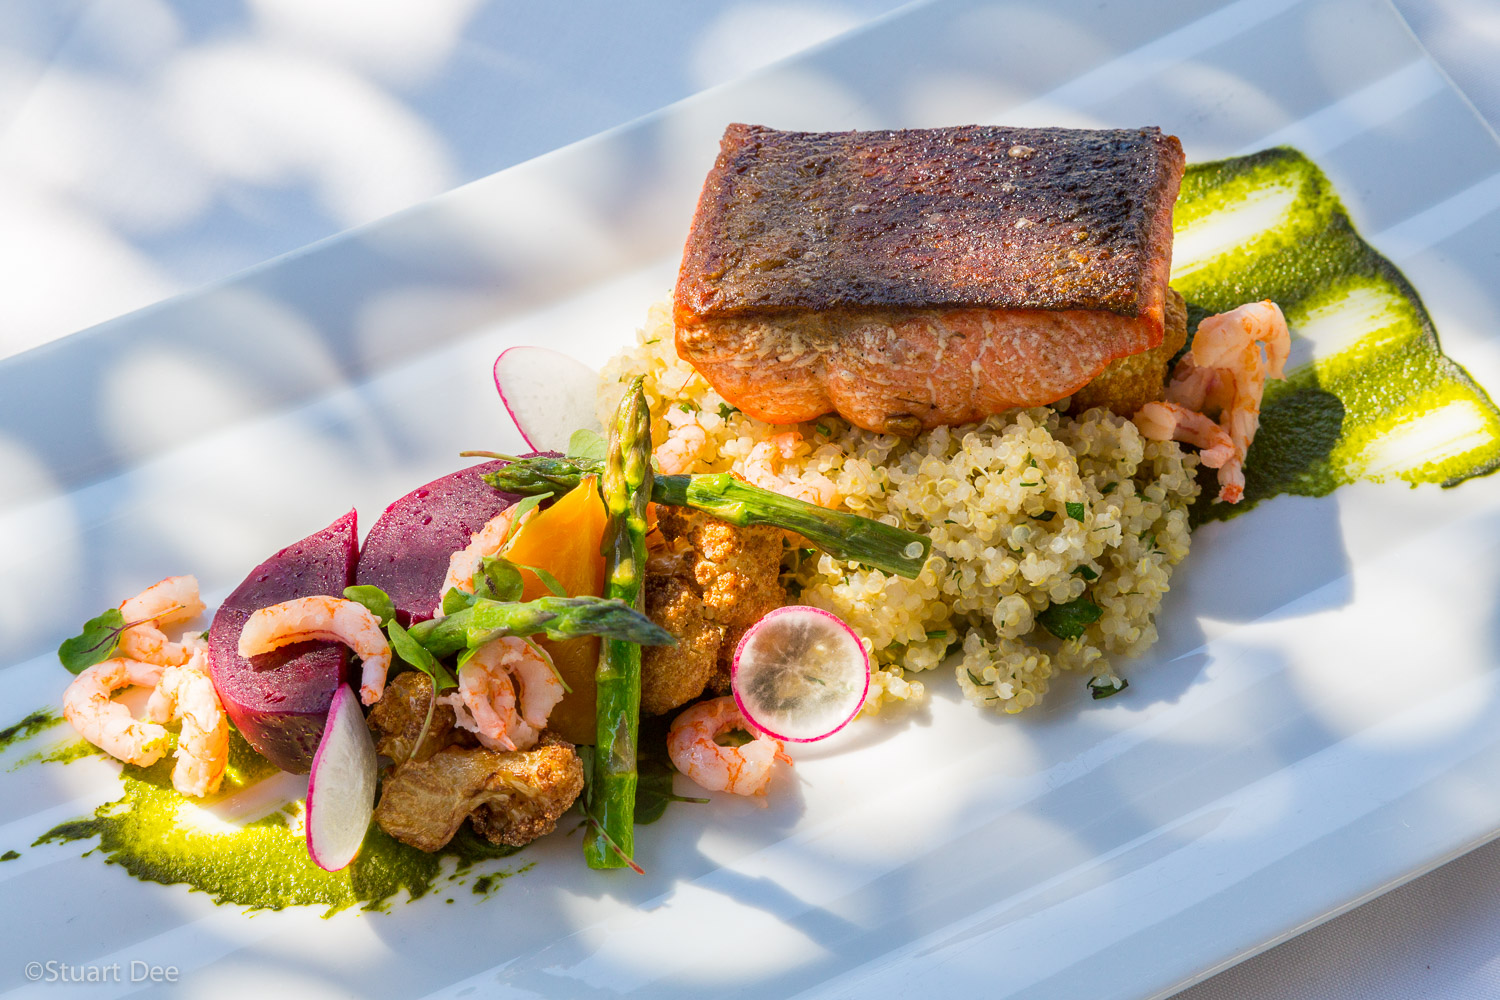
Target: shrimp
{"x":174,"y":599}
{"x":1247,"y":344}
{"x":486,"y":704}
{"x":187,"y":693}
{"x":742,"y":770}
{"x":1232,"y":355}
{"x":683,"y":446}
{"x":763,"y":468}
{"x":88,"y":704}
{"x":1164,"y":421}
{"x":321,"y":617}
{"x":487,"y":541}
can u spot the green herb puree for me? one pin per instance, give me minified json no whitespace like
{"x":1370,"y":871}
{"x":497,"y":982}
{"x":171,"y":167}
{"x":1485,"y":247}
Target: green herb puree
{"x":1369,"y":393}
{"x":62,"y":753}
{"x":38,"y":721}
{"x":158,"y":835}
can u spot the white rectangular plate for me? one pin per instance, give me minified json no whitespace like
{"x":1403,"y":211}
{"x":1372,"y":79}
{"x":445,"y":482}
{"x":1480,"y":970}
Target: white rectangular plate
{"x":1320,"y":720}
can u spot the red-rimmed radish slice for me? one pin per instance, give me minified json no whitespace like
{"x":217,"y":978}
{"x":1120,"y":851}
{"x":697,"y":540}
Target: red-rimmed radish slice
{"x":549,"y":395}
{"x":800,"y":674}
{"x":341,"y":791}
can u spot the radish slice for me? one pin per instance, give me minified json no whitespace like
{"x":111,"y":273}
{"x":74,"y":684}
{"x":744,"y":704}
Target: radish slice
{"x":549,"y":395}
{"x":800,"y":674}
{"x":341,"y":792}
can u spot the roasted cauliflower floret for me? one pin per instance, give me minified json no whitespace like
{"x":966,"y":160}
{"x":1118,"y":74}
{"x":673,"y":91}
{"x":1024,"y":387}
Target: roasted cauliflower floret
{"x":707,"y":584}
{"x":543,"y":783}
{"x":513,"y":796}
{"x":736,"y":569}
{"x":675,"y":675}
{"x":398,"y":717}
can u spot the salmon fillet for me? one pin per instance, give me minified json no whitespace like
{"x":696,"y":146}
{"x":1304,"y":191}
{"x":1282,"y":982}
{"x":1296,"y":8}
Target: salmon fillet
{"x":909,"y":279}
{"x":1130,"y":383}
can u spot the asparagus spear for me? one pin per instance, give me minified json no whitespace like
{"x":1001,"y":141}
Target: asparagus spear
{"x":626,"y":487}
{"x":558,"y":617}
{"x":840,"y":534}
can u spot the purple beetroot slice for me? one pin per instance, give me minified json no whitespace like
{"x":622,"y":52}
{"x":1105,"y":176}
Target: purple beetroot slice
{"x":279,"y":700}
{"x":406,"y":553}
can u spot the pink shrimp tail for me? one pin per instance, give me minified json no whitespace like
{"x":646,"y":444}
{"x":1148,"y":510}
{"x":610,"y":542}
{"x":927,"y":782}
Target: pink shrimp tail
{"x":1225,"y":371}
{"x":1278,"y":341}
{"x":1205,"y":389}
{"x":1175,"y":422}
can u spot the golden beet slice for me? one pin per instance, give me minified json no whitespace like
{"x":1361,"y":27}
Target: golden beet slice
{"x":565,"y":540}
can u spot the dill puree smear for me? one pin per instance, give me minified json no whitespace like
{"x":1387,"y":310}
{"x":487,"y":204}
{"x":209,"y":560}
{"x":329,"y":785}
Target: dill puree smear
{"x":158,"y":835}
{"x":1369,"y":393}
{"x":38,"y":721}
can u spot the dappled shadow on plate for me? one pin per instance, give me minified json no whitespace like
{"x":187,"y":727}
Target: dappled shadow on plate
{"x":1037,"y":815}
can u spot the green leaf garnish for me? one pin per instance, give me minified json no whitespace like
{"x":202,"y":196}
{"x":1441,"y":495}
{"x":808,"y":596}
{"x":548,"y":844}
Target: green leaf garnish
{"x":548,"y":580}
{"x":1045,"y":515}
{"x":377,"y":601}
{"x":1075,"y":510}
{"x":95,"y":644}
{"x":1101,"y":688}
{"x":1108,"y":488}
{"x":498,"y":579}
{"x":726,"y":411}
{"x":523,"y":507}
{"x":464,"y":658}
{"x":1087,"y":572}
{"x":455,"y":600}
{"x":586,"y":444}
{"x":414,"y":654}
{"x":1068,"y":621}
{"x":653,"y":790}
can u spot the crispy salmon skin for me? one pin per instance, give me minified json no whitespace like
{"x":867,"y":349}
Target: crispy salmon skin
{"x":921,"y":277}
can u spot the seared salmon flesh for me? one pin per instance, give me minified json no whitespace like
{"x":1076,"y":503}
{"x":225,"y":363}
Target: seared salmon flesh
{"x":908,"y":279}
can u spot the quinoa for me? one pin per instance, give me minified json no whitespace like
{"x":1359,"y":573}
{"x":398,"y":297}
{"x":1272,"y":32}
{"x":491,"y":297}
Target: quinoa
{"x":1027,"y":511}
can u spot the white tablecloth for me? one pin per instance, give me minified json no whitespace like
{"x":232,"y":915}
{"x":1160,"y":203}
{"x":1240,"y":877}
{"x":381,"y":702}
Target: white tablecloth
{"x":150,"y":146}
